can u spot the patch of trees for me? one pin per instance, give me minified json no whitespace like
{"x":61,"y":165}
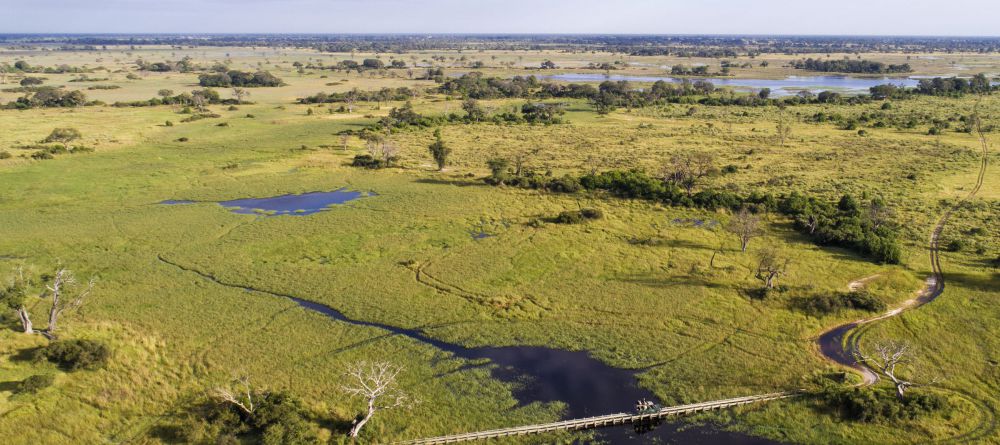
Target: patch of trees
{"x":240,"y":413}
{"x":355,"y":95}
{"x":184,"y":65}
{"x":863,"y":227}
{"x":611,"y":95}
{"x":850,"y":66}
{"x":196,"y":98}
{"x":49,"y":97}
{"x":829,"y":303}
{"x":938,"y":86}
{"x":684,"y":70}
{"x":65,"y":293}
{"x":243,"y":79}
{"x":24,"y":67}
{"x":76,"y":354}
{"x":869,"y":404}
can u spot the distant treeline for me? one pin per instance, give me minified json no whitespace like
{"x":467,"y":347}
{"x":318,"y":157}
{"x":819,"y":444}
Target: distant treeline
{"x":24,"y":67}
{"x":850,"y":66}
{"x":675,"y":45}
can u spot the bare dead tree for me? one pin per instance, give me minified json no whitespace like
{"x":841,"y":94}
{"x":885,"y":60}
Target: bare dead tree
{"x":241,"y":397}
{"x":376,"y":383}
{"x":198,"y":101}
{"x":812,"y":222}
{"x":66,"y":295}
{"x":745,"y":225}
{"x":388,"y":151}
{"x":784,"y":130}
{"x":239,"y":94}
{"x":349,"y":99}
{"x":771,"y":265}
{"x":878,"y":213}
{"x":688,"y":170}
{"x":885,"y":357}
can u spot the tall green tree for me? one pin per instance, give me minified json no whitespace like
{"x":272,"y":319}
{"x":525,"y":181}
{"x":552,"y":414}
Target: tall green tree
{"x":439,"y":150}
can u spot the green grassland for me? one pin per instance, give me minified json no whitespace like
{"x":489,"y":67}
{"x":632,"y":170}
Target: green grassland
{"x":677,"y":308}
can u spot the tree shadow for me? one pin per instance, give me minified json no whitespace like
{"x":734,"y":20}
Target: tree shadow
{"x":455,"y":182}
{"x":979,"y":282}
{"x":27,"y":354}
{"x":10,"y":387}
{"x":657,"y":282}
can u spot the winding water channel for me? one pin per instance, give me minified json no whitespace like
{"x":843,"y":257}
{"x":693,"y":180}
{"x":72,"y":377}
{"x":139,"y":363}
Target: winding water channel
{"x":586,"y":385}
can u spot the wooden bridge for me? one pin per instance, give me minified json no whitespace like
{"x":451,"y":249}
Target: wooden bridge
{"x":601,"y":421}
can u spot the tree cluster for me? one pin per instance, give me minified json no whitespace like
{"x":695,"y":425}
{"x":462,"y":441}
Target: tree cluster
{"x":850,"y":66}
{"x":236,"y":78}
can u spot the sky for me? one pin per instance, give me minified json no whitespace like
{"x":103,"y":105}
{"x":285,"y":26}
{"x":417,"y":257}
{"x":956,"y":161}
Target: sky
{"x":831,"y":17}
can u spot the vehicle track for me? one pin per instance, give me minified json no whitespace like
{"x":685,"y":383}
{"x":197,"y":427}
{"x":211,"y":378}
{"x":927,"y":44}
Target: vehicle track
{"x":840,"y":343}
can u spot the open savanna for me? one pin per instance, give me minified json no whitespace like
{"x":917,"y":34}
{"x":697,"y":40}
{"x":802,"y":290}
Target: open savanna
{"x":676,"y":307}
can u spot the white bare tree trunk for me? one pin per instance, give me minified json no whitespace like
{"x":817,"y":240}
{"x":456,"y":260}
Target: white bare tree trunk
{"x":356,"y":429}
{"x":22,"y":314}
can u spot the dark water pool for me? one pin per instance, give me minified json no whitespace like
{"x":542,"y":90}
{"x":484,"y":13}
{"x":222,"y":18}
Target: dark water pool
{"x":587,"y":386}
{"x":294,"y":204}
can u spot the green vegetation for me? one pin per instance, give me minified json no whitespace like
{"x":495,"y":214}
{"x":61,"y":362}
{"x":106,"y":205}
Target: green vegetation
{"x":76,"y":354}
{"x":240,"y":79}
{"x":644,"y":275}
{"x":851,"y":66}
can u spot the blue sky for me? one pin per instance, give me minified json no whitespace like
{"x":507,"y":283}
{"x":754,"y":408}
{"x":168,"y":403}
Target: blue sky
{"x":868,"y":17}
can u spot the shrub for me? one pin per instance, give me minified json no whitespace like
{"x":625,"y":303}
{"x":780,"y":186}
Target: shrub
{"x":867,"y":404}
{"x":168,"y":124}
{"x":5,"y":155}
{"x":35,"y":383}
{"x":184,"y":139}
{"x":730,"y":169}
{"x":366,"y":161}
{"x":277,"y":418}
{"x":956,"y":245}
{"x":592,"y":213}
{"x":63,"y":135}
{"x":42,"y":155}
{"x":830,"y":303}
{"x":569,"y":217}
{"x":77,"y":354}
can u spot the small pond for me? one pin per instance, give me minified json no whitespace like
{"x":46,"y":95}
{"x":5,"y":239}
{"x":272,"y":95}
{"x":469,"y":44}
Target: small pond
{"x":293,"y":204}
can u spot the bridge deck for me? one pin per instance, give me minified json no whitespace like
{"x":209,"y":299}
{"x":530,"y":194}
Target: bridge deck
{"x":600,"y":421}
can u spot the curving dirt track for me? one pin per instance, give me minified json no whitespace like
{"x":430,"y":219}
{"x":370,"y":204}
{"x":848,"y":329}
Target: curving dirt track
{"x":840,"y":343}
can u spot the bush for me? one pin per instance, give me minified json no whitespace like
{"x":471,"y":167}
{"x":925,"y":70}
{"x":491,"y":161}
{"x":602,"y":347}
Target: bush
{"x":366,"y":161}
{"x":569,"y":217}
{"x":956,"y":245}
{"x":35,"y":383}
{"x":278,"y":418}
{"x":867,"y":404}
{"x":42,"y":155}
{"x":168,"y":124}
{"x":577,"y":216}
{"x":77,"y":354}
{"x":830,"y":303}
{"x":182,"y":139}
{"x":5,"y":155}
{"x":63,"y":135}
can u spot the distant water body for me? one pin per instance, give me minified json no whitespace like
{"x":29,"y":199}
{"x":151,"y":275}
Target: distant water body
{"x":788,"y":86}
